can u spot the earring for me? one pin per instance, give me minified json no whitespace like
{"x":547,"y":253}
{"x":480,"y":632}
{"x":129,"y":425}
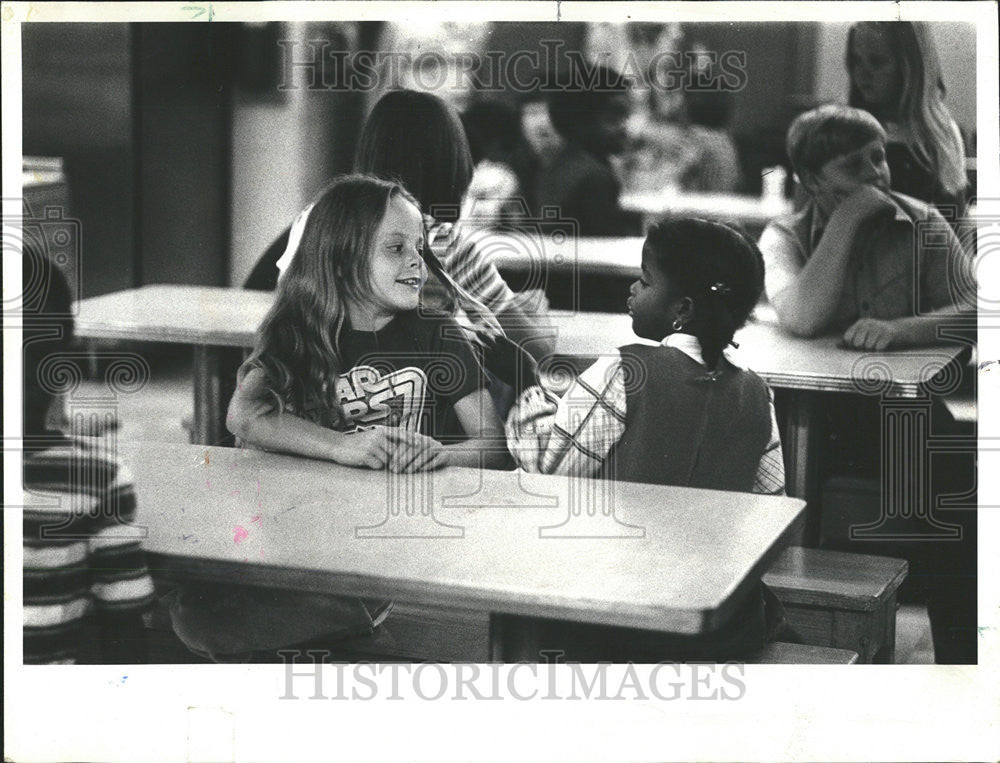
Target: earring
{"x":678,"y":324}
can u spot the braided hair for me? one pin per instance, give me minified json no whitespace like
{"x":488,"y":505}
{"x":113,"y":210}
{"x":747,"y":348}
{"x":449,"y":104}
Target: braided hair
{"x":715,"y":265}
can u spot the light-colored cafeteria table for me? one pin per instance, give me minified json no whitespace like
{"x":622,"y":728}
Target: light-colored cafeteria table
{"x":904,"y":380}
{"x":211,"y":319}
{"x":506,"y":543}
{"x":751,"y":211}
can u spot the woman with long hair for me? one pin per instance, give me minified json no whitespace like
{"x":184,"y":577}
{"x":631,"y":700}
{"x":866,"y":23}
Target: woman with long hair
{"x":895,"y":74}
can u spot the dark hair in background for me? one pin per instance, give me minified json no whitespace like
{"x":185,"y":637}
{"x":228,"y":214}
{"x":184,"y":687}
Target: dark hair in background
{"x":417,"y":140}
{"x":582,"y":96}
{"x":493,"y":129}
{"x":48,"y":328}
{"x":709,"y":108}
{"x":826,"y":132}
{"x":699,"y":254}
{"x":297,"y":344}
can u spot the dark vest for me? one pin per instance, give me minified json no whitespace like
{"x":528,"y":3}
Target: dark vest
{"x":687,"y":426}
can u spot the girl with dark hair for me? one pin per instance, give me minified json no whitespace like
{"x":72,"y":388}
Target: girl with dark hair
{"x":680,"y":412}
{"x":896,"y":75}
{"x":676,"y":413}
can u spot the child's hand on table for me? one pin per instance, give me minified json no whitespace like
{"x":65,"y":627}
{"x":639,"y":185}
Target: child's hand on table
{"x":874,"y":334}
{"x":392,"y":448}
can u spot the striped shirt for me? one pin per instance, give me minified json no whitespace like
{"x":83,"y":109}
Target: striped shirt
{"x":574,"y":434}
{"x":462,"y":251}
{"x":81,"y":557}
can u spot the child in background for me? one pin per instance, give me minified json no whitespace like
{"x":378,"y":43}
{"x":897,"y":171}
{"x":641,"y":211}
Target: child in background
{"x":590,"y":114}
{"x":677,"y":413}
{"x":346,"y":369}
{"x":846,"y":262}
{"x":495,"y":195}
{"x":888,"y":272}
{"x":895,"y":74}
{"x":683,"y":140}
{"x":86,"y":585}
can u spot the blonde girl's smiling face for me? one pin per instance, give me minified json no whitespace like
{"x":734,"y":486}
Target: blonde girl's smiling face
{"x":396,"y":267}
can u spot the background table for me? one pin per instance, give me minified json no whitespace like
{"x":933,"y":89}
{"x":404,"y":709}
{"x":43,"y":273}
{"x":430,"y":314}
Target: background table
{"x":207,"y":318}
{"x":662,"y":558}
{"x":803,"y":371}
{"x":752,"y":212}
{"x":211,"y":319}
{"x":559,"y":254}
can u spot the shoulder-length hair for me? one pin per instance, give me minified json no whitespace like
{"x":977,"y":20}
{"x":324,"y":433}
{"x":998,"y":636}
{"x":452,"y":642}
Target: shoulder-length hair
{"x":934,"y":139}
{"x":297,"y":345}
{"x":416,"y":139}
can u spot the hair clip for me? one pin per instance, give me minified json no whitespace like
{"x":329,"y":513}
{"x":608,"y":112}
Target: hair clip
{"x":719,"y":288}
{"x":735,"y":345}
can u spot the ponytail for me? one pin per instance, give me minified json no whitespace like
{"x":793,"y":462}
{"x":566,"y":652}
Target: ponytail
{"x":718,"y":324}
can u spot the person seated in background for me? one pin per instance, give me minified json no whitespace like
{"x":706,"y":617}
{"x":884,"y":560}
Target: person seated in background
{"x":589,"y":114}
{"x":682,"y":140}
{"x":895,"y":73}
{"x":853,"y":260}
{"x":708,"y":113}
{"x":495,"y":194}
{"x":858,"y":259}
{"x":86,"y":585}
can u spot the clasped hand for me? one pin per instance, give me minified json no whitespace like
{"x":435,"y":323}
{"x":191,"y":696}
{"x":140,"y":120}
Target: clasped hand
{"x":392,"y":448}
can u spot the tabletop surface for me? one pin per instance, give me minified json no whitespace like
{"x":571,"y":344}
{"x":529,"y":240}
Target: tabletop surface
{"x":672,"y":559}
{"x":201,"y":315}
{"x":557,"y":253}
{"x":214,"y":316}
{"x":783,"y":361}
{"x":724,"y":206}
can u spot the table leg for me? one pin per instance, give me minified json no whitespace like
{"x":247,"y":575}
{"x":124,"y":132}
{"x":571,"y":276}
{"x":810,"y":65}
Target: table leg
{"x":906,"y":493}
{"x":514,"y":639}
{"x":209,"y":418}
{"x":799,"y":440}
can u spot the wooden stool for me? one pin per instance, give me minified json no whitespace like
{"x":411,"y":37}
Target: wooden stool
{"x":780,"y":653}
{"x":840,"y":600}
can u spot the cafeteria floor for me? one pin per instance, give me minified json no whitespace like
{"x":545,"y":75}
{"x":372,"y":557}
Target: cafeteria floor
{"x":161,"y":409}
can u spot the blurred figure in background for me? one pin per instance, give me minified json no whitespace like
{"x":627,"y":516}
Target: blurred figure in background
{"x":683,"y":141}
{"x":590,"y":114}
{"x":895,"y":74}
{"x":496,"y":193}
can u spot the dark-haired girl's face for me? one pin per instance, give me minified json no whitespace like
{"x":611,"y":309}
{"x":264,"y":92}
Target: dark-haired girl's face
{"x":653,"y":302}
{"x":874,"y":69}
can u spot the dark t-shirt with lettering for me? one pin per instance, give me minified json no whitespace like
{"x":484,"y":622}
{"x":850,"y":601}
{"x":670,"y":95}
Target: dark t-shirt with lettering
{"x":409,"y":374}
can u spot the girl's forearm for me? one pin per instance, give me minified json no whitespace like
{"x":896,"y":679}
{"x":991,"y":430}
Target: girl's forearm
{"x":286,"y":433}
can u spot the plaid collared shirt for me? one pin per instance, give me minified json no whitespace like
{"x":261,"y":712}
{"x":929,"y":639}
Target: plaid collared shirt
{"x":574,"y":434}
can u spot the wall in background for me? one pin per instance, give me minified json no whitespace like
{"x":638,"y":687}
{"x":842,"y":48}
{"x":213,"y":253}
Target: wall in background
{"x":76,"y":83}
{"x":956,"y":46}
{"x":286,"y":145}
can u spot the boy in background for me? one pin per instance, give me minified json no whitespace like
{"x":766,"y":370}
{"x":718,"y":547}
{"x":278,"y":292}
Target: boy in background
{"x":853,"y":259}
